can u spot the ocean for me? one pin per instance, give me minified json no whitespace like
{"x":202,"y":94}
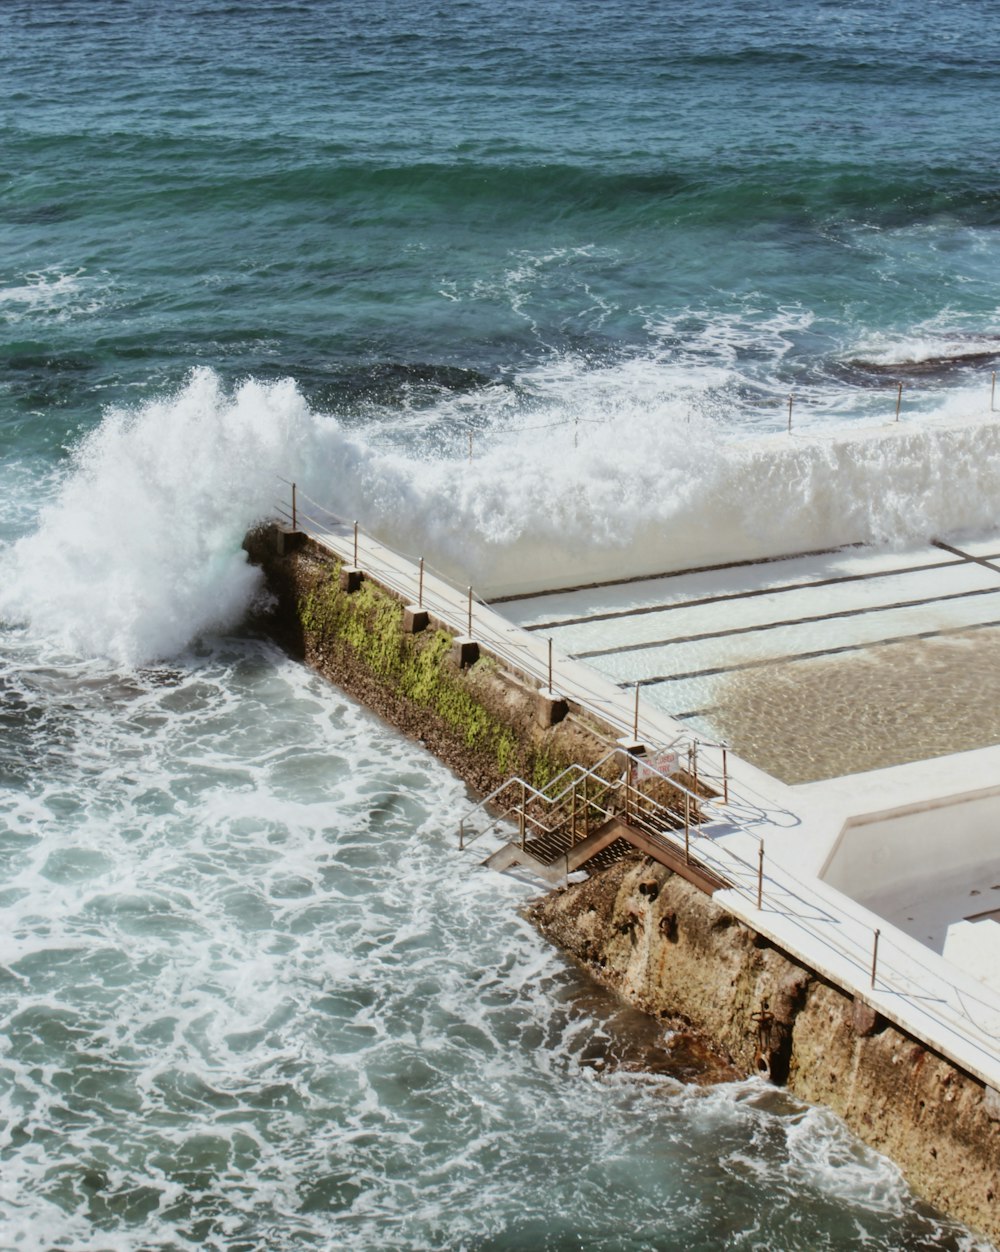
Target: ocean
{"x":496,"y":281}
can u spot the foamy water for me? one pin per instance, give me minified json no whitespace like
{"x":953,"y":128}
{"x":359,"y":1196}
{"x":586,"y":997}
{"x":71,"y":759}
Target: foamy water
{"x":251,"y":996}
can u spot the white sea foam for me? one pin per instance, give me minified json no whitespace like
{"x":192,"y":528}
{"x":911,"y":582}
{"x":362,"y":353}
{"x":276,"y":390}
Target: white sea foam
{"x":52,"y":294}
{"x":140,"y":550}
{"x":640,"y":489}
{"x":249,"y":992}
{"x":608,"y":472}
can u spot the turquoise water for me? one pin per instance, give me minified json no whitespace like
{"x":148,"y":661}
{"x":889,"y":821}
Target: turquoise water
{"x":251,"y":998}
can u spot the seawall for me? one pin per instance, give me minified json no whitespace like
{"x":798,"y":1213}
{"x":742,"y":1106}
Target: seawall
{"x":673,"y":952}
{"x":482,"y":720}
{"x":661,"y":943}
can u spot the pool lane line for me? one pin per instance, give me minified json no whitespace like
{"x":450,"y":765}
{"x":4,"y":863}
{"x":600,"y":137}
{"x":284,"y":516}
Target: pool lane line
{"x":791,"y":621}
{"x":801,"y":656}
{"x":614,"y":614}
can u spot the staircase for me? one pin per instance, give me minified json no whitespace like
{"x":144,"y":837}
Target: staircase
{"x":586,"y":819}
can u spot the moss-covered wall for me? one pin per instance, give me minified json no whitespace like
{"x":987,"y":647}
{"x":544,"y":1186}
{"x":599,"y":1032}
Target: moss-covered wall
{"x":479,"y":720}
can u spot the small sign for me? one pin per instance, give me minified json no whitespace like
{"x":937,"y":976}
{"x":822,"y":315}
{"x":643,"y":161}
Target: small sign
{"x":666,"y":763}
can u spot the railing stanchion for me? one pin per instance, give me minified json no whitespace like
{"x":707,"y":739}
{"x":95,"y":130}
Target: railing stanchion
{"x":725,"y":777}
{"x":355,"y":545}
{"x":521,"y":816}
{"x":420,"y":586}
{"x":295,"y":522}
{"x":469,"y":632}
{"x":875,"y":955}
{"x":899,"y":400}
{"x":550,"y":666}
{"x":993,"y":392}
{"x":461,"y":836}
{"x":687,"y":825}
{"x":635,"y":719}
{"x":760,"y":876}
{"x":790,"y":399}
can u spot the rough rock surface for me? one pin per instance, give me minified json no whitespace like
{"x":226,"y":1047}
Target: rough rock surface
{"x":672,"y":951}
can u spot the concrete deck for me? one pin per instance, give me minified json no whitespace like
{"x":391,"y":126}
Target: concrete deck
{"x":654,"y":629}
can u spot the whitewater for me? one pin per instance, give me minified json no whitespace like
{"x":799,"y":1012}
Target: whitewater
{"x":525,"y":293}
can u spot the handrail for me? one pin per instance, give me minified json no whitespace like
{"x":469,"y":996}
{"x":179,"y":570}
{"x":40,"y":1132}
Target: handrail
{"x":933,"y":997}
{"x":580,"y":773}
{"x":701,"y":803}
{"x":518,"y":655}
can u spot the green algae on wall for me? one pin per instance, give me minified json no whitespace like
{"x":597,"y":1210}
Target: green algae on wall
{"x":358,"y":639}
{"x":370,"y":623}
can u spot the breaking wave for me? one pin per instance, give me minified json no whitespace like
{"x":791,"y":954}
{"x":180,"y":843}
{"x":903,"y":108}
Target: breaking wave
{"x":608,"y":472}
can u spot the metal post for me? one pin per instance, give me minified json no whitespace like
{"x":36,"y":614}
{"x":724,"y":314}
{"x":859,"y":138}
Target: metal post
{"x":520,"y":817}
{"x":899,"y":400}
{"x":760,"y":876}
{"x":875,"y":955}
{"x":470,"y":445}
{"x":420,"y":586}
{"x":550,"y":665}
{"x":725,"y":777}
{"x":635,"y":720}
{"x":461,"y":835}
{"x":470,"y":613}
{"x":694,"y":767}
{"x":586,"y":810}
{"x":993,"y":392}
{"x":295,"y":521}
{"x":572,"y":821}
{"x":687,"y":826}
{"x":355,"y":545}
{"x":790,"y":399}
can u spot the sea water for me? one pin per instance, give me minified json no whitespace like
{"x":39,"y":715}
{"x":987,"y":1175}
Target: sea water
{"x":251,"y":997}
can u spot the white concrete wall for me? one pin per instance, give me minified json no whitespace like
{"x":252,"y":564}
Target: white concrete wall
{"x":891,"y":859}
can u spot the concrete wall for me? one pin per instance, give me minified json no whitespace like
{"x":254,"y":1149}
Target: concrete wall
{"x":889,"y":860}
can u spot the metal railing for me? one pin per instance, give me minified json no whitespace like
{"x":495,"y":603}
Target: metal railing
{"x":678,"y":808}
{"x":412,"y":585}
{"x":346,"y":539}
{"x":859,"y":956}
